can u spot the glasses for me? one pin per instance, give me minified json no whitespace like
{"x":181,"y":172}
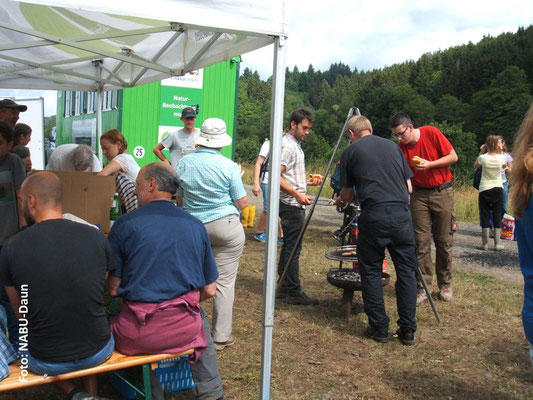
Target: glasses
{"x":398,"y":135}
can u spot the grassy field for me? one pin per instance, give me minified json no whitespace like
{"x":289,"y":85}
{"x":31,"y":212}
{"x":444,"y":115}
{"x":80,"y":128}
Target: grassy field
{"x":478,"y":351}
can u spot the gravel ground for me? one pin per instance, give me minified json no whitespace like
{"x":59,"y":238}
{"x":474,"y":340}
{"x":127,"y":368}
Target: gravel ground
{"x":503,"y":264}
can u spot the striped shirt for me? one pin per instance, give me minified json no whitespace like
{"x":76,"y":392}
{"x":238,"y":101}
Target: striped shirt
{"x":292,"y":157}
{"x":209,"y":183}
{"x":125,"y":187}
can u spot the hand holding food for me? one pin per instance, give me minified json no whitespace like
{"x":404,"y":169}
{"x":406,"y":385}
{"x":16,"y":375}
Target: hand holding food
{"x":315,"y":179}
{"x":418,"y":161}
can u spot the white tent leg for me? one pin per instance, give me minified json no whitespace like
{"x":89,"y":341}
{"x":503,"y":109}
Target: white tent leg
{"x":99,"y":126}
{"x":269,"y":288}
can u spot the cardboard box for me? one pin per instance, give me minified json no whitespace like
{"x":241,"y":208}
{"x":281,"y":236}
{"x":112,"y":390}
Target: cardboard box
{"x":88,"y":196}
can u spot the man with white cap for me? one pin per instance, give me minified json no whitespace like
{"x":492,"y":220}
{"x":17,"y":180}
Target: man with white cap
{"x":180,"y":142}
{"x":9,"y":111}
{"x":211,"y":190}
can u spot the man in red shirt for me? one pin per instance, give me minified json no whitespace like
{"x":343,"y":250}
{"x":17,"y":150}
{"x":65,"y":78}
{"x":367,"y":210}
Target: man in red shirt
{"x":429,"y":155}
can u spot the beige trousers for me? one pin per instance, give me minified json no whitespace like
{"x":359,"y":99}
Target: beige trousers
{"x":227,"y":241}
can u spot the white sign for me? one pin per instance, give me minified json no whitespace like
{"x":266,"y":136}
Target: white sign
{"x":193,"y":80}
{"x":138,"y":152}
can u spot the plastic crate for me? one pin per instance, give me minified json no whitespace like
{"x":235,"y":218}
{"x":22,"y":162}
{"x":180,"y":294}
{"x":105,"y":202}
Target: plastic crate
{"x":174,"y":375}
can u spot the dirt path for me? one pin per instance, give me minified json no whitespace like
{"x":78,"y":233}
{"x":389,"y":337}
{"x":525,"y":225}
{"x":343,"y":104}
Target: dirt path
{"x":503,"y":265}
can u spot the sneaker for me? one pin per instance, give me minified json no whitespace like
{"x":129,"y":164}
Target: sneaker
{"x":380,"y":336}
{"x":337,"y":235}
{"x":219,"y":346}
{"x":260,"y":237}
{"x":407,"y":337}
{"x":421,"y":297}
{"x":446,"y":293}
{"x":302,"y":299}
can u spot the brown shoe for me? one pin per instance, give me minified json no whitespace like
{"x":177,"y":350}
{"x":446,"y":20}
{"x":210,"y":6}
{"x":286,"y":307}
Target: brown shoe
{"x":219,"y":346}
{"x":446,"y":293}
{"x":421,"y":297}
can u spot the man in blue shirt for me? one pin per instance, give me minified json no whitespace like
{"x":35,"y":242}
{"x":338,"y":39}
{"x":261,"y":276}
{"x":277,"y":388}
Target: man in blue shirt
{"x":165,"y":267}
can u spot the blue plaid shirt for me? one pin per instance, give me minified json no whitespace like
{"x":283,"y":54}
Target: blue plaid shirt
{"x":209,"y":184}
{"x":7,"y":352}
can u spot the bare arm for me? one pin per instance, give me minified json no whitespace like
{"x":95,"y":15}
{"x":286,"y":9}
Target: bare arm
{"x":208,"y":291}
{"x":113,"y":283}
{"x":158,"y":151}
{"x":110,"y":169}
{"x":22,"y":220}
{"x":285,"y":187}
{"x":14,"y":299}
{"x":445,"y":161}
{"x":409,"y":186}
{"x":346,"y":195}
{"x":241,"y":203}
{"x":257,"y":172}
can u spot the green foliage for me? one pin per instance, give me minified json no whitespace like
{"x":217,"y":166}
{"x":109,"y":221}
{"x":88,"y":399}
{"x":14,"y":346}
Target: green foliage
{"x":49,"y":123}
{"x":464,"y":144}
{"x":468,"y":91}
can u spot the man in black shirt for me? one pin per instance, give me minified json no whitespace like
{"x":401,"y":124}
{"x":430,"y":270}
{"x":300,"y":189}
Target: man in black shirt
{"x":54,"y":273}
{"x":379,"y":172}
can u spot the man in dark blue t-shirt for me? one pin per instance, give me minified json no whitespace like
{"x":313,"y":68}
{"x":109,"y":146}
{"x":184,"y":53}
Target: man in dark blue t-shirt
{"x":379,"y":172}
{"x":164,"y":268}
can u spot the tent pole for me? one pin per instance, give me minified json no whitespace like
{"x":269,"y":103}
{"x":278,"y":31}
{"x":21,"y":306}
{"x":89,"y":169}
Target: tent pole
{"x":271,"y":249}
{"x":99,"y":126}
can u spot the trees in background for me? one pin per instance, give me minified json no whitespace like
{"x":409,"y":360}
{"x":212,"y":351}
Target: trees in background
{"x":468,"y":91}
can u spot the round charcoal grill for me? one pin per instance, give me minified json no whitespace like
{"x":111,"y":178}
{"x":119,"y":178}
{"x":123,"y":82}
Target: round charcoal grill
{"x":346,"y":278}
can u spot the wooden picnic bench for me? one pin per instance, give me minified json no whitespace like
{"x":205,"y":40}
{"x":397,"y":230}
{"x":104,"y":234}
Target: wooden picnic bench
{"x":16,"y":380}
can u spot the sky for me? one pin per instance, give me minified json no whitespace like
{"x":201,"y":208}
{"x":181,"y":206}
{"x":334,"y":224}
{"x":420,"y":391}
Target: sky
{"x":372,"y":34}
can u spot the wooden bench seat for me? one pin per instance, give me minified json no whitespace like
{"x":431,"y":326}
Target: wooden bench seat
{"x":16,"y":380}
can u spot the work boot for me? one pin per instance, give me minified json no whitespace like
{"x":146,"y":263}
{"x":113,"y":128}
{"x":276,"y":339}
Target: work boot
{"x":498,"y":246}
{"x":484,"y":239}
{"x":421,"y":297}
{"x":446,"y":293}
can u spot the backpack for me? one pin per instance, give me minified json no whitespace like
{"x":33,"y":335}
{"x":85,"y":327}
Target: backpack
{"x":264,"y":167}
{"x":335,"y":180}
{"x":477,"y":177}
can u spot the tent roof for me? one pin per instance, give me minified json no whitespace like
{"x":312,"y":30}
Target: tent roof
{"x":104,"y":45}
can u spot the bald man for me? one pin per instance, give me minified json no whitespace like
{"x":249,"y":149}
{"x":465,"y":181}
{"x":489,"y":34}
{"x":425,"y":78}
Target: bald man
{"x":62,"y":283}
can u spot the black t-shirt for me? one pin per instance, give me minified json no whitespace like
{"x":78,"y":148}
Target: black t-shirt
{"x":59,"y":267}
{"x":377,"y":169}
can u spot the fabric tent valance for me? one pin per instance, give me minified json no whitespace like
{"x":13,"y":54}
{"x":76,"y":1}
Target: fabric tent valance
{"x":103,"y":45}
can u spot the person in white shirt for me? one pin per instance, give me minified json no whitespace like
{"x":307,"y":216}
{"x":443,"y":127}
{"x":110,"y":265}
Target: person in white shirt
{"x":73,"y":157}
{"x":180,"y":142}
{"x":114,"y":146}
{"x":491,"y":191}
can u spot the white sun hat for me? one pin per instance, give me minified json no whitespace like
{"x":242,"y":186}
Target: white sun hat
{"x":213,"y":134}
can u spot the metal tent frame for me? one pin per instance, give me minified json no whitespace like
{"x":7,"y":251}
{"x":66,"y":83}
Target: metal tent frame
{"x":100,"y":45}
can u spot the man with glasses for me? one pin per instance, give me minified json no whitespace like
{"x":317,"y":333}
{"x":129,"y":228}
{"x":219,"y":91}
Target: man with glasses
{"x":429,"y":155}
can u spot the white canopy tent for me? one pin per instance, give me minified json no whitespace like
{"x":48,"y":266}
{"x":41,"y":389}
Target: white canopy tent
{"x":100,"y":45}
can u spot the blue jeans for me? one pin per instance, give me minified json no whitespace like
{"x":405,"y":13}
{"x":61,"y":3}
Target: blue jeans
{"x":292,"y":221}
{"x":12,"y":321}
{"x":264,"y":189}
{"x":51,"y":368}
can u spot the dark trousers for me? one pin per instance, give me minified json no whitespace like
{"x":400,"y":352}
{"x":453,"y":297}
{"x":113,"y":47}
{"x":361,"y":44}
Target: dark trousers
{"x":491,"y":201}
{"x":12,"y":321}
{"x":292,"y":221}
{"x":388,"y":227}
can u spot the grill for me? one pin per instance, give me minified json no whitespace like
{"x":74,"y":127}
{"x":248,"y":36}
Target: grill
{"x":348,"y":279}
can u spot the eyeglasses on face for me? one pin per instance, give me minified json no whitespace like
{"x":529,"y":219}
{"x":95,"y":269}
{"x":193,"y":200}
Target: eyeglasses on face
{"x":398,"y":135}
